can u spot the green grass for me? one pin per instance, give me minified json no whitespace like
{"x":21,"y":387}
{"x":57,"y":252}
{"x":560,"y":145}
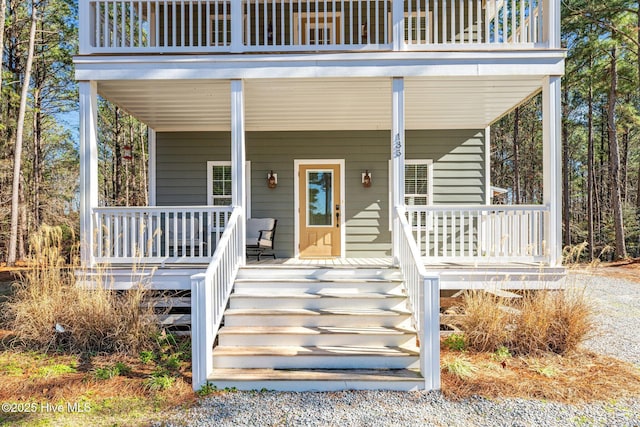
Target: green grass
{"x":112,"y":371}
{"x":159,"y":381}
{"x":460,"y":367}
{"x":55,"y":370}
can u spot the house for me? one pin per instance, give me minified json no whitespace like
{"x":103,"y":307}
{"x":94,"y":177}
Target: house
{"x":362,"y":127}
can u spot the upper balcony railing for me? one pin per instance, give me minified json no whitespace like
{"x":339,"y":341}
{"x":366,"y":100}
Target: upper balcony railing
{"x":199,"y":26}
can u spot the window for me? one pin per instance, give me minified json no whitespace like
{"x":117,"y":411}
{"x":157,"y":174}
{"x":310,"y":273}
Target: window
{"x":321,"y":29}
{"x":219,"y":180}
{"x":219,"y":184}
{"x":418,"y":188}
{"x":220,"y":29}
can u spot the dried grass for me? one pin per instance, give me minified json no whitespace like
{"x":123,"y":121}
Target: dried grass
{"x":551,"y":321}
{"x":484,"y":321}
{"x":541,"y":321}
{"x":94,"y":319}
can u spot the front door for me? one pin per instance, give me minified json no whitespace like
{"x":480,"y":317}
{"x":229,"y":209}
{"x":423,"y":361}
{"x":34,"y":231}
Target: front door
{"x":320,"y":211}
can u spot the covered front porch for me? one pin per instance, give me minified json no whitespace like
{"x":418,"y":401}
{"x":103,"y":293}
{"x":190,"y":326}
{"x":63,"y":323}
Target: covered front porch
{"x":433,"y":129}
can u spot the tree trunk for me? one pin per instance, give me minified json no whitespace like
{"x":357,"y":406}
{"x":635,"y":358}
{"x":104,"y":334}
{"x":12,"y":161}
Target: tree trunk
{"x":37,"y":156}
{"x":17,"y":156}
{"x":516,"y":157}
{"x":3,"y":12}
{"x":117,"y":164}
{"x":624,"y":160}
{"x":590,"y":171}
{"x":614,"y":161}
{"x":23,"y":224}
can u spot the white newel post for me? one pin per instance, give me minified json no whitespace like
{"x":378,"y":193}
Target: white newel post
{"x":397,"y":18}
{"x":237,"y":19}
{"x":84,"y":18}
{"x":552,"y":165}
{"x":551,"y":23}
{"x":152,"y":167}
{"x":238,"y":157}
{"x":397,"y":156}
{"x":88,"y":167}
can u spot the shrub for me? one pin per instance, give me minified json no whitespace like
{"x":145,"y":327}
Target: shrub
{"x":455,"y":342}
{"x":539,"y":322}
{"x":51,"y":310}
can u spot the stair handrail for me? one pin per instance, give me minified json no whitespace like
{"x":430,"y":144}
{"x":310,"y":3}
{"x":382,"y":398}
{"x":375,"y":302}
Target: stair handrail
{"x":210,"y":293}
{"x":423,"y":291}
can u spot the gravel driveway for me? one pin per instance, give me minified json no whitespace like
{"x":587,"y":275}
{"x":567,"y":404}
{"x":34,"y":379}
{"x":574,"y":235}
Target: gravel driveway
{"x":618,"y":305}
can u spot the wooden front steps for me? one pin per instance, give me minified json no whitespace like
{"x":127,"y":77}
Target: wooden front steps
{"x":317,"y":329}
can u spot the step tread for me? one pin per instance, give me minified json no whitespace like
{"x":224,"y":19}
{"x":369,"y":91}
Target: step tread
{"x":328,"y":351}
{"x":379,"y":375}
{"x":317,"y":295}
{"x":275,"y":279}
{"x":314,"y":330}
{"x":312,"y":312}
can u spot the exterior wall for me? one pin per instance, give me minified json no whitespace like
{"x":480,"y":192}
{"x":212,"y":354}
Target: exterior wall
{"x":458,"y":158}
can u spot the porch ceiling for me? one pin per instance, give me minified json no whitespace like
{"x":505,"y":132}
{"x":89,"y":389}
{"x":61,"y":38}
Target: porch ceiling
{"x":320,"y":104}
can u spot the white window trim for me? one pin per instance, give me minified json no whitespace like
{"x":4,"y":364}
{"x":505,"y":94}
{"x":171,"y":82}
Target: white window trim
{"x":429,"y":163}
{"x":211,"y":164}
{"x":330,"y":20}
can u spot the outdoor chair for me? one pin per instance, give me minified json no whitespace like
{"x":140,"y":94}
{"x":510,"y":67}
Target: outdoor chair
{"x":260,"y":237}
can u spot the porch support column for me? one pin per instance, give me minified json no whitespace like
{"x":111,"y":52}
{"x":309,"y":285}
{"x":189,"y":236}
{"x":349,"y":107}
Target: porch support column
{"x":488,"y":192}
{"x":238,"y":157}
{"x":88,"y":167}
{"x":151,"y":138}
{"x":397,"y":156}
{"x":552,"y":166}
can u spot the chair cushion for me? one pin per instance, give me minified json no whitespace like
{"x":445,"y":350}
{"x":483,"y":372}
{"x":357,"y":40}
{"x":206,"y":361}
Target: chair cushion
{"x":254,"y":225}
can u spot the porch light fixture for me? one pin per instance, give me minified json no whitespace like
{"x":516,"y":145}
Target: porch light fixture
{"x":272,"y":180}
{"x":127,"y":153}
{"x":366,"y":179}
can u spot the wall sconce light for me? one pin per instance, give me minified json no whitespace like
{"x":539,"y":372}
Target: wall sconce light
{"x":366,"y":179}
{"x":272,"y":179}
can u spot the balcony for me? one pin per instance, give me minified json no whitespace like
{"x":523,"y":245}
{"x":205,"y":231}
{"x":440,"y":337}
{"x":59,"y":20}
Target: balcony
{"x":263,"y":26}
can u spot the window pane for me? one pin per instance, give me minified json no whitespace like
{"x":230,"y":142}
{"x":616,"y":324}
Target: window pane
{"x":416,"y":184}
{"x":319,"y":198}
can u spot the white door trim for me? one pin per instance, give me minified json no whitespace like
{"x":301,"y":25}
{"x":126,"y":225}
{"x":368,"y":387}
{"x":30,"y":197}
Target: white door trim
{"x":296,"y":212}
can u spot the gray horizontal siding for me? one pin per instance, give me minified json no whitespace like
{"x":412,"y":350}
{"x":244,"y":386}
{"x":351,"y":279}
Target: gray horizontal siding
{"x":458,"y":157}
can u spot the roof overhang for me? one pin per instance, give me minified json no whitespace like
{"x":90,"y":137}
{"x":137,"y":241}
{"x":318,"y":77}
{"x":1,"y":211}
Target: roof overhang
{"x":443,"y":90}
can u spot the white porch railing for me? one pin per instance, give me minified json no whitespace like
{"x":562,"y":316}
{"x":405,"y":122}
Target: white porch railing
{"x":423,"y":291}
{"x":157,"y":234}
{"x":480,"y":233}
{"x":187,"y":26}
{"x":469,"y":23}
{"x":210,"y":292}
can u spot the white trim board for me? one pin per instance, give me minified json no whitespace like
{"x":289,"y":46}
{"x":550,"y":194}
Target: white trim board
{"x":296,"y":208}
{"x":388,"y":64}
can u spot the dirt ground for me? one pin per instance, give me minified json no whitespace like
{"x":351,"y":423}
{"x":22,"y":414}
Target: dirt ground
{"x":627,"y":269}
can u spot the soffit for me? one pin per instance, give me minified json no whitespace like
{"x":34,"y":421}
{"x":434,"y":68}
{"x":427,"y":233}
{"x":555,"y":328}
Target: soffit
{"x":321,"y":104}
